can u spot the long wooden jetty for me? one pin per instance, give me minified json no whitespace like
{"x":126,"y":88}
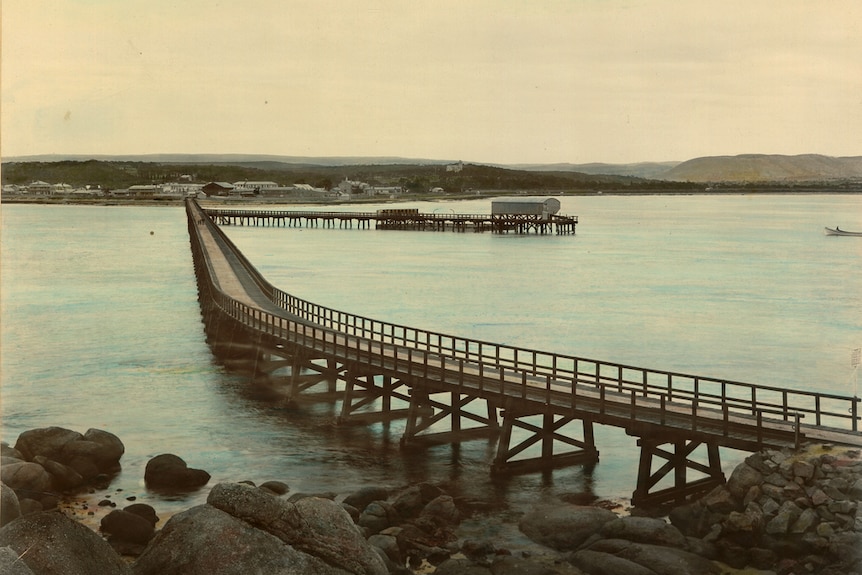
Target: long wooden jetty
{"x":540,"y":406}
{"x":398,"y":219}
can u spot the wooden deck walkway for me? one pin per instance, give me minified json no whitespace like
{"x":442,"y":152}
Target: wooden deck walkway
{"x":369,"y":364}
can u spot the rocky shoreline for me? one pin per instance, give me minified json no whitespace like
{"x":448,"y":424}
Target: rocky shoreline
{"x":779,"y":512}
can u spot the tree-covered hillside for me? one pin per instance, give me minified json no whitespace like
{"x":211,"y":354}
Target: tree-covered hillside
{"x":414,"y":178}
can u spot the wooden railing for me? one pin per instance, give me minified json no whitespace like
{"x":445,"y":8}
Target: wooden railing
{"x":331,"y":330}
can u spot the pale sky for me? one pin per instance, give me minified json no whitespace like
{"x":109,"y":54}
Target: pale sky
{"x":495,"y":81}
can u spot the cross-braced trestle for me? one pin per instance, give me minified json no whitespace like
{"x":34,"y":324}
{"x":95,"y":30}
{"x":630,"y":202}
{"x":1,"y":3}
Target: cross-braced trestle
{"x":679,"y":462}
{"x":550,"y":434}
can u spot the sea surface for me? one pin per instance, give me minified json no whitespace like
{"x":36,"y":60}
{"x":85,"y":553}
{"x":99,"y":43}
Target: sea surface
{"x":101,"y":327}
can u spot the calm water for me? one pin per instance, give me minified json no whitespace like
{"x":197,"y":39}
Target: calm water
{"x":101,"y":325}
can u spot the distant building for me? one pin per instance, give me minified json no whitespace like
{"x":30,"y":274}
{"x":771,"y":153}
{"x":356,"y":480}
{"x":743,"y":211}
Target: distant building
{"x":456,"y":167}
{"x":526,"y":206}
{"x":218,"y":189}
{"x":61,"y":189}
{"x":350,"y":187}
{"x":387,"y":190}
{"x":182,"y":189}
{"x":254,"y":186}
{"x":39,"y":188}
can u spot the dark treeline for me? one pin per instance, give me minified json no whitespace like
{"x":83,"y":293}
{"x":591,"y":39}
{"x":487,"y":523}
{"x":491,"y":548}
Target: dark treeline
{"x":413,"y":178}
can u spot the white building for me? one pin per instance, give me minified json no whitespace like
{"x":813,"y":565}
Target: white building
{"x":39,"y":188}
{"x":254,"y":186}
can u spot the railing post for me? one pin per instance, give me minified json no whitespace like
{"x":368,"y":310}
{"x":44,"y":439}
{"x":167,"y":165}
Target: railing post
{"x":817,"y":409}
{"x":796,"y":430}
{"x":694,"y":412}
{"x":410,"y":361}
{"x":759,"y":428}
{"x":854,"y":412}
{"x":574,"y":389}
{"x":663,"y":407}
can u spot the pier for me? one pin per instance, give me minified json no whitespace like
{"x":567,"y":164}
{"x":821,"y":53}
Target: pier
{"x":398,"y":219}
{"x":539,"y":408}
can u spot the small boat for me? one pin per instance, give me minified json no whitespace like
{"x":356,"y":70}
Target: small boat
{"x":839,"y":232}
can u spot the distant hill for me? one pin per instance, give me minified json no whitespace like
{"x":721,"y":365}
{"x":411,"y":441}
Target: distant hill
{"x":415,"y":178}
{"x":766,"y":168}
{"x":648,"y":170}
{"x":746,"y":168}
{"x":230,"y":159}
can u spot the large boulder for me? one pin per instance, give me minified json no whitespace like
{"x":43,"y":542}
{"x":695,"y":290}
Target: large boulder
{"x":742,"y":479}
{"x":693,"y":519}
{"x":313,"y":525}
{"x":70,"y":458}
{"x":644,"y":530}
{"x":207,"y":541}
{"x":656,"y":559}
{"x":145,"y":511}
{"x":104,"y":448}
{"x":598,"y":563}
{"x":50,"y":543}
{"x":360,"y":499}
{"x":563,"y":527}
{"x":100,"y":453}
{"x":46,"y":441}
{"x":127,"y":527}
{"x":64,"y":477}
{"x":9,"y":507}
{"x":377,"y":516}
{"x":170,"y":472}
{"x":441,"y":512}
{"x":27,"y":479}
{"x":410,"y":502}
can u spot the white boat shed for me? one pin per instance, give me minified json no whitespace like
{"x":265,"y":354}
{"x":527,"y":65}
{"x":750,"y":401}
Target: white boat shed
{"x":525,"y":206}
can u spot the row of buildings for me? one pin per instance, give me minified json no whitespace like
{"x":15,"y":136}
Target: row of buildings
{"x":44,"y":189}
{"x":178,"y":190}
{"x":345,"y":189}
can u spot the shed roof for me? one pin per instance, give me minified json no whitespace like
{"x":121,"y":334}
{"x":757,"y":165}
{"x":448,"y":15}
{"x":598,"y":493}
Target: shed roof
{"x":527,"y":205}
